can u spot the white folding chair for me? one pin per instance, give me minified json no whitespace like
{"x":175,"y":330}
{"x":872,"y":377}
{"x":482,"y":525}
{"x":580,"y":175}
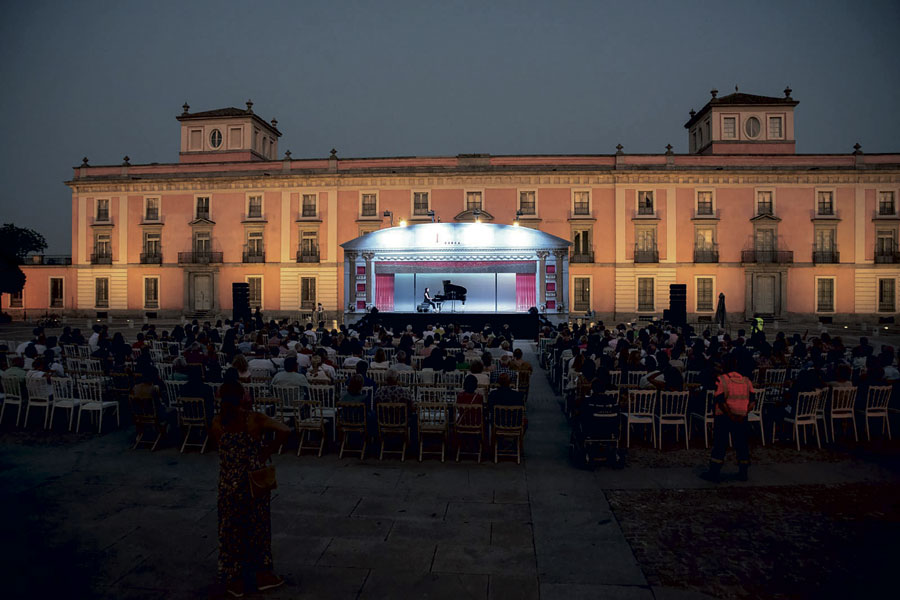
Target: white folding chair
{"x":13,"y":396}
{"x":641,"y":404}
{"x":756,"y":415}
{"x":40,"y":394}
{"x":64,"y":398}
{"x":323,"y":396}
{"x":707,"y":417}
{"x":877,"y":401}
{"x":804,"y":415}
{"x":90,"y":391}
{"x":843,"y":400}
{"x":673,"y":408}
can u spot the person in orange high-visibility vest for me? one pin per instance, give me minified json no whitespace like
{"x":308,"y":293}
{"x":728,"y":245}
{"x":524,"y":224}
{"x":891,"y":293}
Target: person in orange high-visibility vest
{"x":733,"y":401}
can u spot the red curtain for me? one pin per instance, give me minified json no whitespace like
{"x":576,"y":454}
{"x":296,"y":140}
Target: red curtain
{"x":384,"y":292}
{"x":525,"y":294}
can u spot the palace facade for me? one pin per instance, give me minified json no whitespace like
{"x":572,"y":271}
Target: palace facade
{"x":780,"y":233}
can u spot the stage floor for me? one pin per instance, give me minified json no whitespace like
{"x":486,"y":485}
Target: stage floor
{"x":523,"y":325}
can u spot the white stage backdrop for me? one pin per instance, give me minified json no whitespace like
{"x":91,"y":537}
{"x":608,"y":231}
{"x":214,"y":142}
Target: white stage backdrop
{"x":486,"y":292}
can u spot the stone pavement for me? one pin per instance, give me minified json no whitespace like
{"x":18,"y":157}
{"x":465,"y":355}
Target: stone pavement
{"x":84,"y":515}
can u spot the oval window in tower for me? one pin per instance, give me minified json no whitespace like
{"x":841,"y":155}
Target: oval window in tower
{"x":215,"y":138}
{"x":751,"y":127}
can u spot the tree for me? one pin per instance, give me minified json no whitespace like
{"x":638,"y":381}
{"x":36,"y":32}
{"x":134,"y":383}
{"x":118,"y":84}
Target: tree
{"x":15,"y":244}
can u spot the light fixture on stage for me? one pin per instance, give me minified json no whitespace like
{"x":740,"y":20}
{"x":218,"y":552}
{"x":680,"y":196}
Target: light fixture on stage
{"x":430,"y":213}
{"x":402,"y":222}
{"x":388,"y":213}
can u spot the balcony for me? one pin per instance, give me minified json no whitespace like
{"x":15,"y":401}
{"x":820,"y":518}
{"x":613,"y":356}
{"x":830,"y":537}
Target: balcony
{"x":707,"y":255}
{"x":202,"y":257}
{"x":702,"y":213}
{"x":48,"y":259}
{"x":101,"y":258}
{"x":254,"y":256}
{"x":582,"y":257}
{"x":825,"y":257}
{"x":886,"y":257}
{"x":102,"y":221}
{"x":646,"y":255}
{"x":779,"y":257}
{"x":151,"y":258}
{"x":308,"y":256}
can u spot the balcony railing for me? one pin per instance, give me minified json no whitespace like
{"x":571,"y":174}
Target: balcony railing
{"x":645,"y":255}
{"x":308,"y":256}
{"x":254,"y":256}
{"x":48,"y":259}
{"x":582,"y":257}
{"x":102,"y":220}
{"x":886,"y":257}
{"x":707,"y":255}
{"x":767,"y":256}
{"x":825,"y":257}
{"x":151,"y":258}
{"x":101,"y":258}
{"x":203,"y":257}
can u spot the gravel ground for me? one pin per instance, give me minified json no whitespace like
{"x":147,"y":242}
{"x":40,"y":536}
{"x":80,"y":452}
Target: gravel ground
{"x":757,"y":542}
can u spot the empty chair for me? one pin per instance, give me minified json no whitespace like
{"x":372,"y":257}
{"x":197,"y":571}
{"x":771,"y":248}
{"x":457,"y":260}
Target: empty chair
{"x":804,"y":414}
{"x":615,"y":379}
{"x":193,"y":416}
{"x":351,"y":418}
{"x":392,"y":421}
{"x":91,"y":393}
{"x":758,"y":398}
{"x":289,"y":397}
{"x":13,"y":391}
{"x":469,"y":423}
{"x":145,"y":414}
{"x":508,"y":424}
{"x":309,"y":420}
{"x":843,"y":400}
{"x":64,"y":398}
{"x":431,"y":394}
{"x":641,"y":404}
{"x":673,"y":407}
{"x":433,"y":419}
{"x":877,"y":401}
{"x":40,"y":395}
{"x":707,"y":417}
{"x":774,"y":383}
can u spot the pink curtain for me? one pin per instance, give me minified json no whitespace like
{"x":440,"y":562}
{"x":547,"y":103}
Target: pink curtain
{"x":525,"y":295}
{"x":384,"y":292}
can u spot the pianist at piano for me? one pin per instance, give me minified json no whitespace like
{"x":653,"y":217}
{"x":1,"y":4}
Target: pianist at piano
{"x":456,"y":268}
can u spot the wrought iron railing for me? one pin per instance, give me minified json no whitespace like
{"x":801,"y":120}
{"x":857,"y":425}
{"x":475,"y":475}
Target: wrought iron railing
{"x":202,"y":257}
{"x":767,"y":256}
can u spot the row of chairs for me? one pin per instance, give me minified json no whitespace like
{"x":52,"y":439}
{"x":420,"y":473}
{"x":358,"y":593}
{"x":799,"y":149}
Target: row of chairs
{"x":65,"y":393}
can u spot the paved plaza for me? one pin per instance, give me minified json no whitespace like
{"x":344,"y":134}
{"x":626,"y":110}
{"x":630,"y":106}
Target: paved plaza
{"x":85,"y":517}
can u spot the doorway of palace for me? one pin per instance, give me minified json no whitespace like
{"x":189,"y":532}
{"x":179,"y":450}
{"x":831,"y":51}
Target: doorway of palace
{"x":203,"y":292}
{"x":764,"y":290}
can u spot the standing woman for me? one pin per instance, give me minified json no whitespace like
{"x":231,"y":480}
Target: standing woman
{"x":245,"y":522}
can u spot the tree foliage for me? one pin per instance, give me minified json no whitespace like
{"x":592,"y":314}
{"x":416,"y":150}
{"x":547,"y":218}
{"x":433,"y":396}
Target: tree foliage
{"x":15,"y":244}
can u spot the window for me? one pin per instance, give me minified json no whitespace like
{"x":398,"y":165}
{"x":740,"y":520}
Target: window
{"x":776,"y":131}
{"x":765,"y":239}
{"x":202,"y":243}
{"x":527,"y":202}
{"x":473,"y":201}
{"x":256,"y":140}
{"x":582,"y":298}
{"x":645,"y":238}
{"x":102,"y":209}
{"x":367,"y":229}
{"x":884,"y":243}
{"x":254,"y":207}
{"x":15,"y":299}
{"x":420,"y":203}
{"x":581,"y":242}
{"x":309,"y":246}
{"x":151,"y":245}
{"x":151,"y":292}
{"x":215,"y":138}
{"x":151,"y":209}
{"x":886,"y":204}
{"x":886,"y":295}
{"x":729,"y":128}
{"x":825,"y":204}
{"x":102,"y":248}
{"x":824,"y":239}
{"x":56,"y":292}
{"x":704,"y":294}
{"x":705,"y":238}
{"x":645,"y":203}
{"x":581,"y":203}
{"x":101,"y":292}
{"x":202,"y":208}
{"x":308,"y":292}
{"x":704,"y":203}
{"x":309,"y":205}
{"x":369,"y":206}
{"x":824,"y":294}
{"x":255,"y":243}
{"x":764,"y":203}
{"x":752,"y":127}
{"x":645,"y":293}
{"x":255,"y":296}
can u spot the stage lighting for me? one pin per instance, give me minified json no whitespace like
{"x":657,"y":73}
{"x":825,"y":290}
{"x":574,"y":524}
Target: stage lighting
{"x":402,"y":222}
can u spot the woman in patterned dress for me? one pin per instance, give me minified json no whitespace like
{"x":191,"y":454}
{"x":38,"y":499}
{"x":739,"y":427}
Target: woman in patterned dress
{"x":245,"y":523}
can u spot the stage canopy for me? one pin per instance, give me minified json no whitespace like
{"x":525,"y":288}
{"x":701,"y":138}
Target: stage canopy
{"x":504,"y":267}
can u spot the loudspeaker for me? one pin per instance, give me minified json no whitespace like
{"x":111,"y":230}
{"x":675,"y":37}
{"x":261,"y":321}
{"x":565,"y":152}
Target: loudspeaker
{"x":677,"y":313}
{"x":240,"y":301}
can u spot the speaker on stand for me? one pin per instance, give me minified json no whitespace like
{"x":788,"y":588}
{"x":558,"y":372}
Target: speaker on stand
{"x":240,"y":301}
{"x":677,"y":311}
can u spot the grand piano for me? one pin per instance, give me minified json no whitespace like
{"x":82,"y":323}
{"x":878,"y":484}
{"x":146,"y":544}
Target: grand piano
{"x":452,"y":293}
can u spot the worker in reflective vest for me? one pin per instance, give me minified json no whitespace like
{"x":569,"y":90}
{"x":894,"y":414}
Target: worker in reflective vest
{"x":733,"y":402}
{"x":756,"y":324}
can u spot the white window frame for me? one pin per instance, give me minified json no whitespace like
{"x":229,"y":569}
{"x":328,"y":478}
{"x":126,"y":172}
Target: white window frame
{"x":202,"y":132}
{"x":833,"y":294}
{"x":262,"y":289}
{"x":737,"y":125}
{"x":637,"y":203}
{"x":878,"y":281}
{"x":590,"y":279}
{"x":697,"y":193}
{"x":412,"y":203}
{"x":262,"y":205}
{"x":158,"y":209}
{"x":756,"y":192}
{"x":197,"y":197}
{"x":144,"y":290}
{"x":878,"y":192}
{"x":300,"y":279}
{"x":208,"y":134}
{"x":697,"y":308}
{"x":833,"y":193}
{"x":300,"y":208}
{"x":762,"y":123}
{"x":50,"y":291}
{"x":769,"y":119}
{"x":108,"y":294}
{"x":519,"y":192}
{"x":108,"y":210}
{"x":377,"y":204}
{"x":637,"y":293}
{"x":590,"y":196}
{"x":466,"y":193}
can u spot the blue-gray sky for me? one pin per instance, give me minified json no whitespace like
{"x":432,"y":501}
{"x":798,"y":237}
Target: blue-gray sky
{"x":106,"y":79}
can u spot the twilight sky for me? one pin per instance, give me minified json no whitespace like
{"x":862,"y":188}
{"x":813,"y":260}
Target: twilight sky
{"x":106,"y":79}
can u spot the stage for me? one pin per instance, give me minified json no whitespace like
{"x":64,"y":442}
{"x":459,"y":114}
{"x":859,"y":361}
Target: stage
{"x":523,"y":325}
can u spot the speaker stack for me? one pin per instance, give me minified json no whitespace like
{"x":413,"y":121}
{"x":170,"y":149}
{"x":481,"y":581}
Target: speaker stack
{"x":240,"y":301}
{"x":677,"y":312}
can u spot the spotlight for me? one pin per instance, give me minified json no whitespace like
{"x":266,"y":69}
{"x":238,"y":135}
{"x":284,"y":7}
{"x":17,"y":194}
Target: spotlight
{"x":402,"y":222}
